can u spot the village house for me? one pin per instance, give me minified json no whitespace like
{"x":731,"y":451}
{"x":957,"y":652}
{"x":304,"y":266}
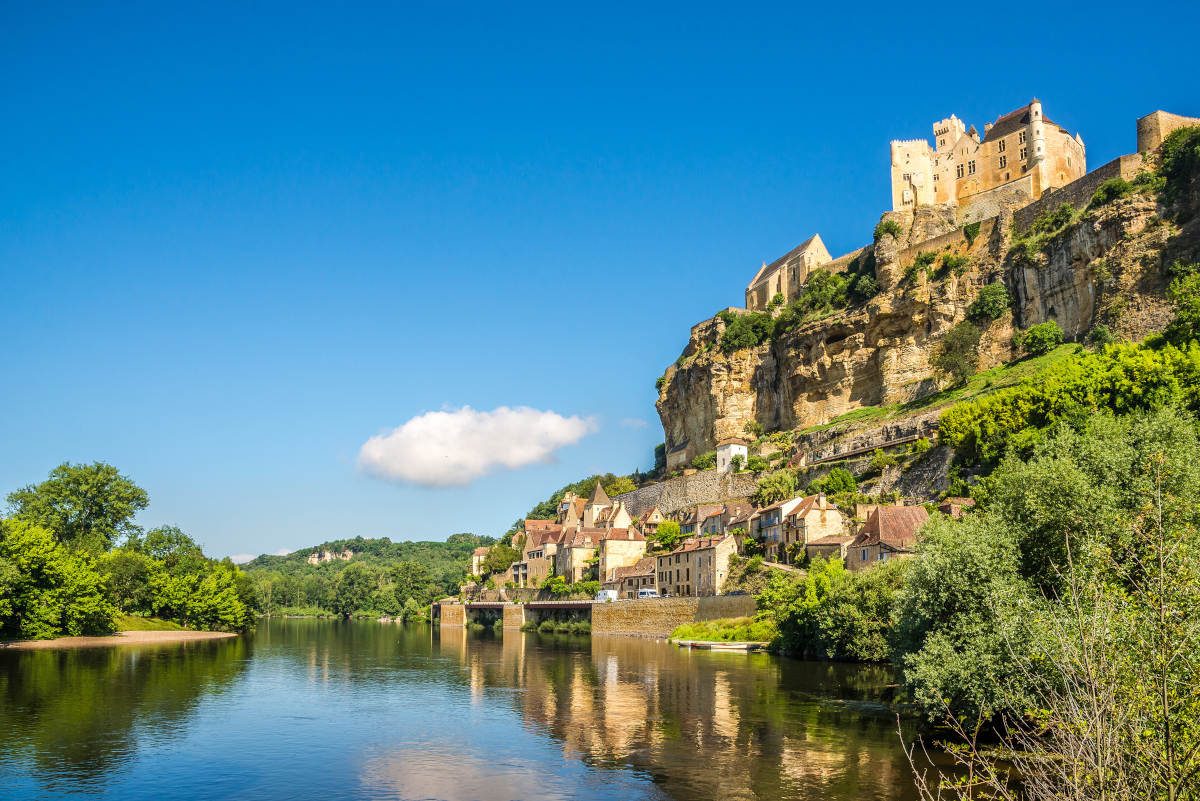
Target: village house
{"x":627,"y":580}
{"x":727,"y":449}
{"x":577,"y":554}
{"x":768,"y":526}
{"x":477,"y":557}
{"x":694,"y":518}
{"x":538,"y":552}
{"x":955,"y":507}
{"x":889,"y":533}
{"x":813,"y":518}
{"x":740,"y":517}
{"x":697,"y":567}
{"x":650,"y":520}
{"x":828,"y":547}
{"x":620,"y":547}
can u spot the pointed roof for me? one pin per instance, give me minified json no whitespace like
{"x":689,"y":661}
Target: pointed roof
{"x":599,"y":497}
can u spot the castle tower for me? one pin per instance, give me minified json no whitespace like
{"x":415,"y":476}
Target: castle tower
{"x":1037,"y":133}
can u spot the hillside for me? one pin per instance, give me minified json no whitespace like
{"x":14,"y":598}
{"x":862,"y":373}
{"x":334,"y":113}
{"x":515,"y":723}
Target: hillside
{"x":1094,"y":259}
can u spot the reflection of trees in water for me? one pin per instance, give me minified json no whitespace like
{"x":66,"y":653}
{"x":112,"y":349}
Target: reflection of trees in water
{"x":702,"y":724}
{"x":74,"y":715}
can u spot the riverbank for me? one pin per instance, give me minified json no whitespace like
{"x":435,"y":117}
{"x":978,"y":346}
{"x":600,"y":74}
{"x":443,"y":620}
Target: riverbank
{"x":120,"y":638}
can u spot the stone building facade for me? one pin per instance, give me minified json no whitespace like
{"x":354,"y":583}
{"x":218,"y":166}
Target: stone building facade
{"x":787,"y":274}
{"x":698,"y":567}
{"x":1020,"y":156}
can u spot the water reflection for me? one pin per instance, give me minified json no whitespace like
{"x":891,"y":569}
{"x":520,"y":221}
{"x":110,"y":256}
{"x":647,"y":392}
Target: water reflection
{"x":306,"y":709}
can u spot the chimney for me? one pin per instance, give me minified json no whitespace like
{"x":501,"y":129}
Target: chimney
{"x":821,"y":503}
{"x":987,"y":126}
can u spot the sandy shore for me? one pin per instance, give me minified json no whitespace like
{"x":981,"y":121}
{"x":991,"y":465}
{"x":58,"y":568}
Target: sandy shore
{"x":120,"y":638}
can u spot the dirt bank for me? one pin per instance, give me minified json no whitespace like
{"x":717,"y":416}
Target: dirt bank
{"x":120,"y":638}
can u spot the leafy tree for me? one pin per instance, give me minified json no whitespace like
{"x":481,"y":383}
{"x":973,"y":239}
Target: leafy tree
{"x":838,"y":481}
{"x":619,"y":486}
{"x":1185,"y":297}
{"x":498,"y":559}
{"x":412,"y":582}
{"x":87,"y":507}
{"x":49,"y":590}
{"x":127,"y":575}
{"x":173,"y":548}
{"x":880,"y":461}
{"x":1180,"y":160}
{"x":757,"y":464}
{"x":971,"y":231}
{"x":667,"y":534}
{"x":1040,"y":339}
{"x":993,"y":300}
{"x":705,"y":461}
{"x":753,"y":429}
{"x":958,"y":353}
{"x":352,"y":589}
{"x":413,"y":611}
{"x":888,"y":228}
{"x":774,"y":487}
{"x":1100,"y":336}
{"x":737,"y":463}
{"x":745,"y":330}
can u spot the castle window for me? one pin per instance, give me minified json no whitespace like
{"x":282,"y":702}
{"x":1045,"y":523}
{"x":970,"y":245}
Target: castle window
{"x":959,"y":170}
{"x":1021,"y":138}
{"x":1024,"y":153}
{"x":1001,"y":146}
{"x":907,"y":176}
{"x":1003,"y":162}
{"x":970,"y":168}
{"x":935,"y":177}
{"x":1068,"y":161}
{"x":941,"y":143}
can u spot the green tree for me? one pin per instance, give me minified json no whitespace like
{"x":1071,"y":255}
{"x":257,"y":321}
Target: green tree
{"x":774,"y":487}
{"x":173,"y":548}
{"x":992,"y":301}
{"x":958,"y":353}
{"x":50,"y":590}
{"x":1185,"y":297}
{"x":667,"y":534}
{"x":88,"y":507}
{"x":1040,"y":339}
{"x":705,"y":461}
{"x":619,"y":486}
{"x":839,"y":480}
{"x":352,"y":589}
{"x":127,"y":575}
{"x":498,"y":559}
{"x":412,"y":581}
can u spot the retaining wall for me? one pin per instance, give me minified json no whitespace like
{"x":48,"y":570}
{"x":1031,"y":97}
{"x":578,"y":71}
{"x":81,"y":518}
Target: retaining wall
{"x":658,"y":617}
{"x":454,"y":615}
{"x":684,"y":492}
{"x":514,"y":616}
{"x":1079,"y":192}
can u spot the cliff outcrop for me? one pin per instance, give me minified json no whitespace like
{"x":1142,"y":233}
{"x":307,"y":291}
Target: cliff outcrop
{"x":1103,"y":266}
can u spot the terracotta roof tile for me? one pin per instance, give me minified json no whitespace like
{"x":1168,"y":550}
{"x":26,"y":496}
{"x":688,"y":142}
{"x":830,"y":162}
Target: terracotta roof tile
{"x":895,"y":526}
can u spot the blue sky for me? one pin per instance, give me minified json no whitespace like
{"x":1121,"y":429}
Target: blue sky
{"x":239,"y":240}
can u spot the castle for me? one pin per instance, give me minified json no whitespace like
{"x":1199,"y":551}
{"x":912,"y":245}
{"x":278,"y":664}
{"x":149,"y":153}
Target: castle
{"x":1021,"y":157}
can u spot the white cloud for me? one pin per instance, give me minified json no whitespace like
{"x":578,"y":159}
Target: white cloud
{"x":282,"y":552}
{"x":453,"y":448}
{"x":633,"y":422}
{"x":241,"y":558}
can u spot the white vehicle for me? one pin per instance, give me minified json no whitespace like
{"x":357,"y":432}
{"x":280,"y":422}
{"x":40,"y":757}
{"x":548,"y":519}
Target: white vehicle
{"x":648,"y":593}
{"x":606,"y":595}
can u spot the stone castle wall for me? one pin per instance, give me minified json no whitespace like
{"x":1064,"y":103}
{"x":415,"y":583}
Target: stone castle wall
{"x":952,"y":239}
{"x":683,"y":492}
{"x":988,"y":203}
{"x":1154,"y":128}
{"x":658,"y":617}
{"x":1079,"y":192}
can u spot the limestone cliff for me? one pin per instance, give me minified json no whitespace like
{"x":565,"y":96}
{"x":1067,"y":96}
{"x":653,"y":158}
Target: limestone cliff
{"x":1105,"y":267}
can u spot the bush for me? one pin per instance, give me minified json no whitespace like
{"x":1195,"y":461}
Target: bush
{"x":921,"y":445}
{"x":990,"y":304}
{"x":705,"y":461}
{"x":1100,"y":336}
{"x":920,"y":264}
{"x":880,"y":461}
{"x":1180,"y":160}
{"x":957,"y":354}
{"x":888,"y":228}
{"x":757,"y":464}
{"x":738,"y":629}
{"x":660,"y":382}
{"x":667,"y":534}
{"x":1038,"y":340}
{"x":745,"y":330}
{"x":753,"y":429}
{"x":863,"y":288}
{"x":737,"y":463}
{"x":955,"y":264}
{"x":838,"y":481}
{"x":546,"y":627}
{"x":774,"y":487}
{"x":971,"y":231}
{"x":1110,"y":190}
{"x":777,"y":301}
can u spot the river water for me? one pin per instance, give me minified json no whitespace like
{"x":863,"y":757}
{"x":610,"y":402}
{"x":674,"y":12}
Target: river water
{"x":308,"y":709}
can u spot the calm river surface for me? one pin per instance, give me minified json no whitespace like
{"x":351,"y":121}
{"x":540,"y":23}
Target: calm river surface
{"x":306,"y":709}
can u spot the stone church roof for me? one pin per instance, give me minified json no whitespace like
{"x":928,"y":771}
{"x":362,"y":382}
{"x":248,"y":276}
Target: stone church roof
{"x":599,"y":497}
{"x":808,"y":244}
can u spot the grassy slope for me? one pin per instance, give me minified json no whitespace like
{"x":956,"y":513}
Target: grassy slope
{"x":139,"y":623}
{"x":738,"y":629}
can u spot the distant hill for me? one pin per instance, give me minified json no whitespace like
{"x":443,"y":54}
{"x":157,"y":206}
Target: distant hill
{"x":445,"y":562}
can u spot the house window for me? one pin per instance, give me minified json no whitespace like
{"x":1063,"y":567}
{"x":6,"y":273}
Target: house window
{"x":864,"y":554}
{"x":970,"y":168}
{"x":959,"y":171}
{"x":1024,"y":152}
{"x":1000,"y":147}
{"x":882,"y":556}
{"x":1003,"y":162}
{"x":1021,"y":138}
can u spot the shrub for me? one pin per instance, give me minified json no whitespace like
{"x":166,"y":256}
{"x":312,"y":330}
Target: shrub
{"x":957,"y":353}
{"x":955,"y":264}
{"x":738,"y":629}
{"x":1110,"y":190}
{"x":546,"y":627}
{"x":757,"y":464}
{"x":1040,"y":339}
{"x":745,"y":330}
{"x":1180,"y":160}
{"x":753,"y":428}
{"x":889,"y":228}
{"x":991,"y":302}
{"x":921,"y":445}
{"x":737,"y":463}
{"x":705,"y":461}
{"x":838,"y":481}
{"x":880,"y":461}
{"x":863,"y":288}
{"x":774,"y":455}
{"x":971,"y":231}
{"x":777,"y":301}
{"x":774,"y":487}
{"x":1100,"y":336}
{"x":660,"y":382}
{"x":921,"y":263}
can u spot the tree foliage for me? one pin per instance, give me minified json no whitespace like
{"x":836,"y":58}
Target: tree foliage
{"x":774,"y":487}
{"x":1040,"y":339}
{"x":84,"y":506}
{"x":957,"y":355}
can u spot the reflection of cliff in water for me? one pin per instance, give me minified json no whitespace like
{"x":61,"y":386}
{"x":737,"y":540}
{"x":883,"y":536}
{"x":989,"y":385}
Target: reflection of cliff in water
{"x":702,"y":724}
{"x":76,"y":715}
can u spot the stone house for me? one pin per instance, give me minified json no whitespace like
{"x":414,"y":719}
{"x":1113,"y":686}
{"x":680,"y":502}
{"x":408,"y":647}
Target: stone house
{"x":620,"y":547}
{"x":477,"y":558}
{"x":631,"y":578}
{"x":955,"y":507}
{"x":768,"y":527}
{"x":1020,"y":156}
{"x":727,"y":449}
{"x":889,"y":533}
{"x":538,"y":552}
{"x":693,"y":519}
{"x":650,"y":520}
{"x":813,"y":518}
{"x":698,"y":567}
{"x":578,"y":554}
{"x":828,"y":547}
{"x":740,"y":516}
{"x":787,"y":274}
{"x":713,"y":524}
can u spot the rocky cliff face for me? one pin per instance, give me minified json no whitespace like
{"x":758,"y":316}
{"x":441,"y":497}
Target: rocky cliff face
{"x":1105,"y":268}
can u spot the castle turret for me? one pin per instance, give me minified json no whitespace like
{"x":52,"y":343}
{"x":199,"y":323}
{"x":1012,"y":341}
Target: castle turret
{"x":1037,"y":133}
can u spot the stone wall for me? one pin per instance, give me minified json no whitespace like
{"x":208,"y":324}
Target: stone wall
{"x":683,"y":492}
{"x":514,"y":616}
{"x":952,"y":239}
{"x":454,"y":615}
{"x":658,"y":617}
{"x":1078,"y":193}
{"x":983,"y":205}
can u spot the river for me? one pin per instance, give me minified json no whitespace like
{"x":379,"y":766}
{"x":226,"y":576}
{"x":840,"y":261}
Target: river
{"x":309,"y":709}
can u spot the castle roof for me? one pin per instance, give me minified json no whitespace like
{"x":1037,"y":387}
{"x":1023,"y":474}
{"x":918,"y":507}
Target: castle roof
{"x":1014,"y":121}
